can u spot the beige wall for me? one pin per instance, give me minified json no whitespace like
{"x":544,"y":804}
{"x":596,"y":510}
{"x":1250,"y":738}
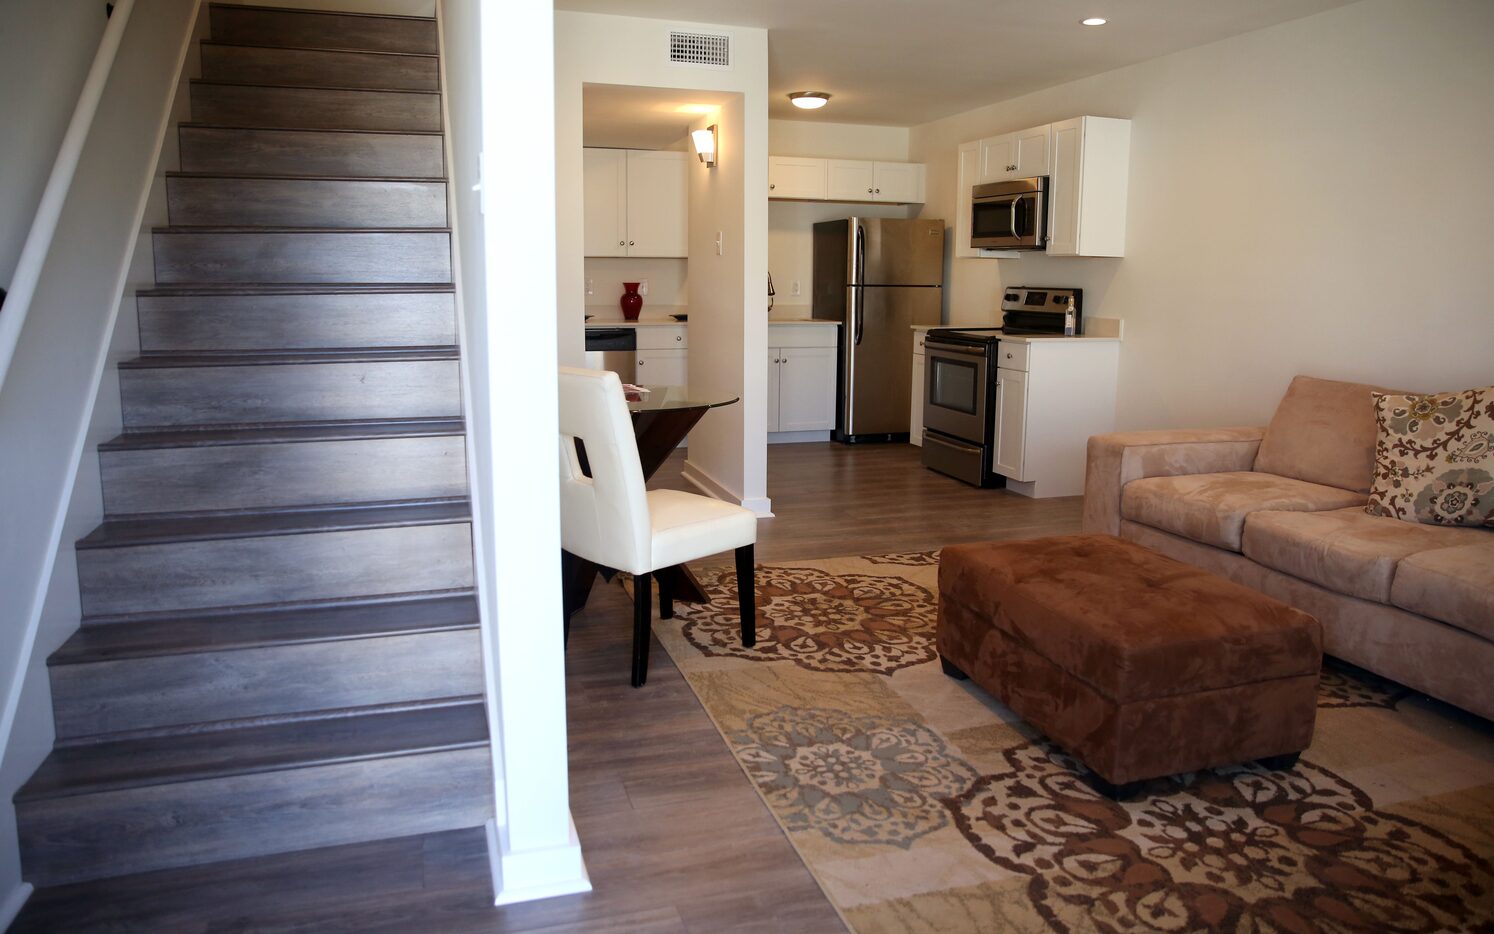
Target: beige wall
{"x":728,"y":449}
{"x":1311,"y":198}
{"x":790,"y":247}
{"x":667,"y":279}
{"x":46,"y":49}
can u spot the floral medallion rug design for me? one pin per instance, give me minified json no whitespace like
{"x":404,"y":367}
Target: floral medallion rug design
{"x":921,"y":804}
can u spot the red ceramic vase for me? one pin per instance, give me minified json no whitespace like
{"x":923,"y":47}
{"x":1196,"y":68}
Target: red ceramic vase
{"x":631,"y":301}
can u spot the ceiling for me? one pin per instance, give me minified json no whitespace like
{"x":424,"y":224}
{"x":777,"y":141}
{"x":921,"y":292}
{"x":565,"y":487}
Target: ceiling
{"x":904,"y":62}
{"x":619,"y":117}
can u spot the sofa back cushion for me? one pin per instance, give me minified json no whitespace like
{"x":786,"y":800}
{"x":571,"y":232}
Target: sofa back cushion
{"x":1323,"y":432}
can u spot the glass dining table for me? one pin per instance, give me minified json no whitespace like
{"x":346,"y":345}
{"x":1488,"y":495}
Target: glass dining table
{"x":662,"y":417}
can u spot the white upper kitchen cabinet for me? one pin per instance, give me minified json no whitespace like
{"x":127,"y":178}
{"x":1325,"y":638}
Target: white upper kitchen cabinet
{"x":852,"y":180}
{"x":636,"y":202}
{"x":898,"y":182}
{"x":658,"y":203}
{"x":1087,"y":187}
{"x":797,"y":178}
{"x":1024,"y":154}
{"x":604,"y":179}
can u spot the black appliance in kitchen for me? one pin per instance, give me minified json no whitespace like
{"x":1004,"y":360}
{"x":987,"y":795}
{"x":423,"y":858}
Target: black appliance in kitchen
{"x":878,"y":277}
{"x":963,"y":382}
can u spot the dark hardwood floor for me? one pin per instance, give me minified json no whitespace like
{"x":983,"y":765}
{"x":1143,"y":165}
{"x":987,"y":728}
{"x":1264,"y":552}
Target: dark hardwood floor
{"x":674,"y":835}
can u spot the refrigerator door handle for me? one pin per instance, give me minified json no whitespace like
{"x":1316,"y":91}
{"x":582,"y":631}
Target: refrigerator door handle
{"x":858,"y":271}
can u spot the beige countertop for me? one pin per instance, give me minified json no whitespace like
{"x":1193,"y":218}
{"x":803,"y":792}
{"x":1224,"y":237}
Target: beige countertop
{"x":670,"y":323}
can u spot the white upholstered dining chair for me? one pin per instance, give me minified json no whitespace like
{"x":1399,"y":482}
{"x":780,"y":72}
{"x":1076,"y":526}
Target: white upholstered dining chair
{"x":609,"y":519}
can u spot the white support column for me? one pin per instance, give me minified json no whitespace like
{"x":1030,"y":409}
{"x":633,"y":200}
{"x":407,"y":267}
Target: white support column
{"x":500,"y":65}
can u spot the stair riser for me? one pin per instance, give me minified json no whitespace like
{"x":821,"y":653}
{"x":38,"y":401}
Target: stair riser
{"x":272,"y":569}
{"x":186,"y":323}
{"x":173,"y":690}
{"x":263,"y":202}
{"x":316,"y":108}
{"x":322,"y":30}
{"x":308,"y":152}
{"x":73,"y":839}
{"x":268,"y":476}
{"x":189,"y":258}
{"x":233,"y":395}
{"x":317,"y":68}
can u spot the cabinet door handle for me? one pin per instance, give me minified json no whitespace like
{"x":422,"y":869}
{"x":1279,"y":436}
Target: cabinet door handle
{"x":622,"y":243}
{"x":879,"y":191}
{"x":679,"y":337}
{"x":630,"y":243}
{"x":868,"y":191}
{"x":771,"y":186}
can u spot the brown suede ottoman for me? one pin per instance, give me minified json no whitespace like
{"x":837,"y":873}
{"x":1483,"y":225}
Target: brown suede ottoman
{"x":1139,"y":665}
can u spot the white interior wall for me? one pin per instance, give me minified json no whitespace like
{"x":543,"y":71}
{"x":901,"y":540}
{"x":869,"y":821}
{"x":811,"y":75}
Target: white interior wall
{"x":790,"y":223}
{"x":668,"y":284}
{"x":46,"y":49}
{"x":61,"y":399}
{"x":1309,"y":198}
{"x":728,"y":450}
{"x":488,"y":51}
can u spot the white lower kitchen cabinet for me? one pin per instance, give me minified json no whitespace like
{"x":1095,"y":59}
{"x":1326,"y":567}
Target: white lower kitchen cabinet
{"x":1052,"y":394}
{"x":670,"y":367}
{"x":801,"y":381}
{"x":915,"y":411}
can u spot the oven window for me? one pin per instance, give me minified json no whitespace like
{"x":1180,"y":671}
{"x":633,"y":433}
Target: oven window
{"x":954,"y":384}
{"x":991,"y":220}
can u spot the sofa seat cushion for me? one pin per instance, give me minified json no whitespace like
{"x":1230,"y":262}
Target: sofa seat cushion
{"x":1454,"y":585}
{"x":1211,"y":507}
{"x":1345,"y":550}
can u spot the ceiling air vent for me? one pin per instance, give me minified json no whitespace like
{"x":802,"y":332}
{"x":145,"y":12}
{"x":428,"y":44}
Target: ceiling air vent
{"x":700,"y":49}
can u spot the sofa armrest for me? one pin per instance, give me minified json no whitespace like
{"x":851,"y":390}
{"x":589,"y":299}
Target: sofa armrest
{"x":1117,"y":459}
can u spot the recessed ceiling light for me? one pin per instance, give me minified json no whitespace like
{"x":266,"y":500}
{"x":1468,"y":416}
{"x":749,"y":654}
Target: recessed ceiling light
{"x":809,"y":100}
{"x":1093,"y":21}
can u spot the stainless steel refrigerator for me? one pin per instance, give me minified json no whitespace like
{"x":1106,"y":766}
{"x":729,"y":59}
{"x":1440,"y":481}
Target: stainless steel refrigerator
{"x":879,"y":278}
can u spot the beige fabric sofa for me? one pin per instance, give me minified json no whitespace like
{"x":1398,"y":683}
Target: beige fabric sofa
{"x":1281,"y":509}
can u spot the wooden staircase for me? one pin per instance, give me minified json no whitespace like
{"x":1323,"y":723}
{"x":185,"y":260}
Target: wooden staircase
{"x":280,"y":646}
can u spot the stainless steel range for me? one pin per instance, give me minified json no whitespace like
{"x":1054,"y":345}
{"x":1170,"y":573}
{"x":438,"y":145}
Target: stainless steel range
{"x":961,"y":392}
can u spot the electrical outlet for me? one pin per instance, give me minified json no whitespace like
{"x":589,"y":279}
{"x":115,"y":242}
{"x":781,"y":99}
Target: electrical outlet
{"x":642,"y":286}
{"x":591,"y":287}
{"x":796,"y":290}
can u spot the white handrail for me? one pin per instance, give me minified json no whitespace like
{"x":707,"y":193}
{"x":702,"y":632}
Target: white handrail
{"x":54,"y":196}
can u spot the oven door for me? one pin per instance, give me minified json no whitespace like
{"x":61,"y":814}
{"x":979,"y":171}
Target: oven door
{"x":1008,"y":222}
{"x":954,"y":397}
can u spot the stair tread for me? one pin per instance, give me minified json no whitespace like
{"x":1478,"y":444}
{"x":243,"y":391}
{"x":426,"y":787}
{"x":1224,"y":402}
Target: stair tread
{"x":239,"y":629}
{"x":209,"y":125}
{"x":296,"y":288}
{"x":272,"y":433}
{"x":338,"y":50}
{"x":220,"y":229}
{"x":247,"y":176}
{"x":256,"y":8}
{"x":160,"y":530}
{"x":289,"y":357}
{"x":161,"y":760}
{"x":197,"y":82}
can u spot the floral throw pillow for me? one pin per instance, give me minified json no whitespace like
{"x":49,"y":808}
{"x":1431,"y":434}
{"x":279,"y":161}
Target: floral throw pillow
{"x":1434,"y":459}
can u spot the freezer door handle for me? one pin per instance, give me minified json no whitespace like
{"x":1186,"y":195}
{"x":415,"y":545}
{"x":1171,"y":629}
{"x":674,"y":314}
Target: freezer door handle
{"x":858,"y":272}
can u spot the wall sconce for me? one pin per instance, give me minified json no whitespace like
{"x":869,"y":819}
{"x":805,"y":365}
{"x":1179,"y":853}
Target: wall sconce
{"x":705,"y":145}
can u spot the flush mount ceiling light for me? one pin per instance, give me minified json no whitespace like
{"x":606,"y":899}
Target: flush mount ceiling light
{"x":809,"y":100}
{"x":705,"y":145}
{"x":1093,"y":21}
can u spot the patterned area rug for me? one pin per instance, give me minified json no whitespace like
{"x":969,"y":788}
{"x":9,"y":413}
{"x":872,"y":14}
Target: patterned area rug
{"x":920,"y":804}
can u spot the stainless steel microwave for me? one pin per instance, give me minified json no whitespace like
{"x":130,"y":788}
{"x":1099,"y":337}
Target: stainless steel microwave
{"x":1010,"y":215}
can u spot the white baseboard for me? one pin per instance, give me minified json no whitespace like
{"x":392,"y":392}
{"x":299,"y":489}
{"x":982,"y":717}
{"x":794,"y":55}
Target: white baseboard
{"x":13,"y":904}
{"x":535,"y":874}
{"x":797,"y":437}
{"x":762,"y":506}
